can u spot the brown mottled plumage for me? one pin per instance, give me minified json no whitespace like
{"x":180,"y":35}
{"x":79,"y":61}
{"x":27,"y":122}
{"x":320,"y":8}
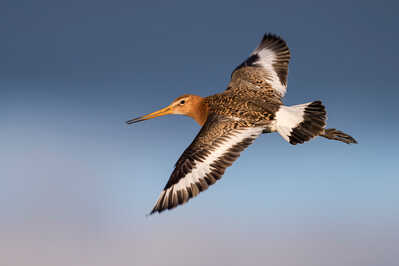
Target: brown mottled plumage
{"x":232,"y":120}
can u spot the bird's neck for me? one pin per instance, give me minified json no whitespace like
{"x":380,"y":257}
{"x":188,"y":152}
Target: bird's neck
{"x":199,"y":110}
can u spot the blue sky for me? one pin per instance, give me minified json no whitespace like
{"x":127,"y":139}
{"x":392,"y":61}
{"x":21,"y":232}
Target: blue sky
{"x":76,"y":182}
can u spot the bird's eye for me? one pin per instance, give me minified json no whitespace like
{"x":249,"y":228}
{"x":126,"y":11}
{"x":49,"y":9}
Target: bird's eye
{"x":182,"y":102}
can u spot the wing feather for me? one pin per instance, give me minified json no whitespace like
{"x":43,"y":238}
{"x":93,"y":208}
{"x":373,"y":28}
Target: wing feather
{"x":216,"y":147}
{"x":265,"y":69}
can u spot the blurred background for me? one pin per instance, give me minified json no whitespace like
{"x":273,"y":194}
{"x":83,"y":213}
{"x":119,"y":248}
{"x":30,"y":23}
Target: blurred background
{"x":76,"y":182}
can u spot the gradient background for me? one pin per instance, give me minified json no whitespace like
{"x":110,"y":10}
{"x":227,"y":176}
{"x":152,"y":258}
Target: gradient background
{"x":76,"y":181}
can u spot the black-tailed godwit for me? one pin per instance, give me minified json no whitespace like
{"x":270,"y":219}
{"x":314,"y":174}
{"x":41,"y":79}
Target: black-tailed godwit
{"x":232,"y":120}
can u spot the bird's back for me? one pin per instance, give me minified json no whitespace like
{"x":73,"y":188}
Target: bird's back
{"x":248,"y":107}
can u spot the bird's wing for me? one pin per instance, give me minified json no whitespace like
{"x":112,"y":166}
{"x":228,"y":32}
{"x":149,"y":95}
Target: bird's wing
{"x":265,"y":69}
{"x":217,"y":146}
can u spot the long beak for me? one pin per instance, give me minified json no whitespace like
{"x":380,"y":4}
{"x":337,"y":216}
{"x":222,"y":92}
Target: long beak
{"x":164,"y":111}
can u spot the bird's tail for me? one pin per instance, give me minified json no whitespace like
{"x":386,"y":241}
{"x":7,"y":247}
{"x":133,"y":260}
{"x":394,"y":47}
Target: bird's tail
{"x":300,"y":123}
{"x":332,"y":133}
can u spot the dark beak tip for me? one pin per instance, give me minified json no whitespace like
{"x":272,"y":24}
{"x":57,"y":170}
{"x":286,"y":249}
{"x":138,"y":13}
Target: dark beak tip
{"x":135,"y":120}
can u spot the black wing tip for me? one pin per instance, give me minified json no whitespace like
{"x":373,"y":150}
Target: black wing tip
{"x":270,"y":37}
{"x":153,"y":212}
{"x":157,"y":209}
{"x":162,"y":206}
{"x":276,"y":44}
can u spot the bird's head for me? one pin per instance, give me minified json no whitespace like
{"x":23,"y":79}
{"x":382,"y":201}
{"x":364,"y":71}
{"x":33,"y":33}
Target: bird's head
{"x":187,"y":104}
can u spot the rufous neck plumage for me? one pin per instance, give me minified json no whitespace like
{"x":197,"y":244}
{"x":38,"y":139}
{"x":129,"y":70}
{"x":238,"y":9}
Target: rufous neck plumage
{"x":198,"y":109}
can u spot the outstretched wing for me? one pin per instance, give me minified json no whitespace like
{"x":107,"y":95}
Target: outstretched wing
{"x":216,"y":147}
{"x":265,"y":69}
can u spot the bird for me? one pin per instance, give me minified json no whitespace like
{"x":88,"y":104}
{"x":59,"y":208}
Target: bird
{"x":230,"y":121}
